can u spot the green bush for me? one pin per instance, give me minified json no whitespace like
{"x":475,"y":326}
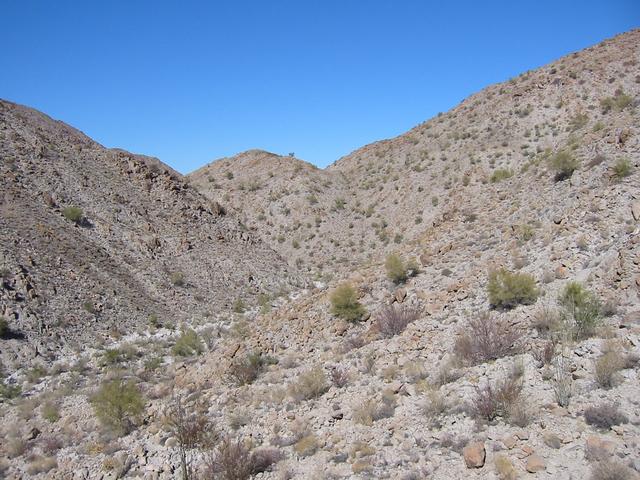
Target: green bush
{"x":118,"y":404}
{"x":398,"y":270}
{"x":74,"y":214}
{"x":564,"y":164}
{"x":622,"y":168}
{"x":187,"y":344}
{"x":618,"y":102}
{"x":581,"y":310}
{"x":344,"y":303}
{"x":507,"y":289}
{"x":501,"y":174}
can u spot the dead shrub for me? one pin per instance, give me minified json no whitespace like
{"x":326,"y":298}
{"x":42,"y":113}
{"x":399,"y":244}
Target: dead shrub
{"x":611,"y":470}
{"x":392,"y":320}
{"x":485,"y":339}
{"x":501,"y":399}
{"x":339,"y":376}
{"x":310,"y":384}
{"x":607,"y":368}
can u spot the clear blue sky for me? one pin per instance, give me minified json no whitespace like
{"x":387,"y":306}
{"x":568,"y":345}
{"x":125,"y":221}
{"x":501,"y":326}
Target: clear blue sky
{"x":190,"y":81}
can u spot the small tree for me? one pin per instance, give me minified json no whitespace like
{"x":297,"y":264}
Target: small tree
{"x":344,"y":303}
{"x":118,"y":404}
{"x":507,"y":289}
{"x":192,"y":430}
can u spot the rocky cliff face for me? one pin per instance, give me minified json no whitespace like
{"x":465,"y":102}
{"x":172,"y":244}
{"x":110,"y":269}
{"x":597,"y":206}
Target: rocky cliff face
{"x":95,"y":242}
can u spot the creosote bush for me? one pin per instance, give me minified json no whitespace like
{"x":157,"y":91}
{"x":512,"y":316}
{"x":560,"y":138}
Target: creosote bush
{"x":622,"y":168}
{"x":486,"y":338}
{"x":118,"y":404}
{"x":74,"y":214}
{"x":617,"y":103}
{"x":232,"y":459}
{"x":187,"y":344}
{"x":398,"y":270}
{"x":507,"y":289}
{"x":345,"y":305}
{"x":392,"y":319}
{"x":563,"y":164}
{"x":501,"y":174}
{"x":246,"y":370}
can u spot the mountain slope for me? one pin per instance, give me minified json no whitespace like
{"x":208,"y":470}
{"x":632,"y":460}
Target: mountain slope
{"x":375,"y":199}
{"x":147,"y":244}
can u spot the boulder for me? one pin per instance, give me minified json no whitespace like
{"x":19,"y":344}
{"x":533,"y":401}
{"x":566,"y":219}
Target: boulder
{"x":474,"y":455}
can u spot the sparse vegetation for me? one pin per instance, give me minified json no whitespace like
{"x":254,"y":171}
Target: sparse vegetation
{"x":187,"y":344}
{"x":310,"y":384}
{"x":399,"y":270}
{"x":604,"y":416}
{"x":563,"y":164}
{"x":501,"y":174}
{"x":617,"y":103}
{"x":345,"y":305}
{"x":118,"y":404}
{"x":507,"y":290}
{"x":392,"y":319}
{"x":486,"y":338}
{"x":73,"y":214}
{"x":580,"y":310}
{"x":622,"y":168}
{"x":246,"y":370}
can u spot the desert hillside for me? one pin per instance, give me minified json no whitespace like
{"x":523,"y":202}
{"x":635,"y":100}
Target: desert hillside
{"x":462,"y":301}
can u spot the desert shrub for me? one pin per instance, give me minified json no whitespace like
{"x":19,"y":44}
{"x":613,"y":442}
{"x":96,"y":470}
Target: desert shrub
{"x":177,"y":279}
{"x":618,"y":102}
{"x":310,"y":384}
{"x":504,"y":468}
{"x":374,"y":409}
{"x":562,"y":381}
{"x":73,"y":214}
{"x":230,"y":460}
{"x":498,"y":400}
{"x":607,"y":367}
{"x":398,"y":270}
{"x":339,"y":376}
{"x":392,"y":320}
{"x":604,"y":416}
{"x":118,"y":404}
{"x":191,"y":429}
{"x":9,"y":391}
{"x":247,"y":369}
{"x":187,"y":344}
{"x":501,"y":174}
{"x":4,"y":327}
{"x":50,"y":412}
{"x":506,"y":289}
{"x":622,"y":168}
{"x":435,"y":408}
{"x":344,"y":303}
{"x":306,"y":446}
{"x":581,"y":310}
{"x":563,"y":164}
{"x":41,"y":464}
{"x":611,"y":470}
{"x":485,"y":339}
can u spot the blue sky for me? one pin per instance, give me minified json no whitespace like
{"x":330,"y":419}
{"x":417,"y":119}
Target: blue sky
{"x":190,"y":81}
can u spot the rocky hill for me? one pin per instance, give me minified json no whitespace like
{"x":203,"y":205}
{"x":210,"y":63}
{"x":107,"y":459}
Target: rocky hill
{"x":96,"y":243}
{"x":502,"y":340}
{"x":386,"y":194}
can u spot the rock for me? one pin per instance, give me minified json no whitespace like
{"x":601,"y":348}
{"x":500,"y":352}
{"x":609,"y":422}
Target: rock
{"x":535,"y":463}
{"x":635,"y":210}
{"x":510,"y":442}
{"x":400,"y":295}
{"x":522,"y":435}
{"x":597,"y":447}
{"x":551,"y":440}
{"x":474,"y":455}
{"x":34,"y":433}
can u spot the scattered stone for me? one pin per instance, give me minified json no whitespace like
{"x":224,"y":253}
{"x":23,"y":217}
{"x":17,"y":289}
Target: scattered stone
{"x":551,"y":440}
{"x":535,"y":463}
{"x":474,"y":455}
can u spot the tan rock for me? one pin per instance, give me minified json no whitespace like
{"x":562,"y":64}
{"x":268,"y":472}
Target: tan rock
{"x":400,"y":295}
{"x":474,"y":455}
{"x":510,"y":442}
{"x":535,"y":463}
{"x":635,"y":210}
